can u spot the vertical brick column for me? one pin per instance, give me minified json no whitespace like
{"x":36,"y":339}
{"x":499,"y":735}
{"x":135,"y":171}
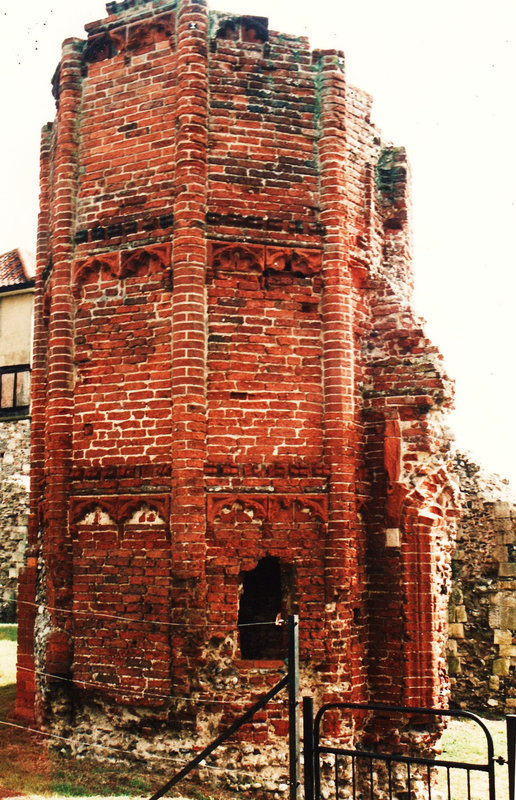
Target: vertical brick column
{"x":341,"y":574}
{"x":57,"y":546}
{"x":189,"y":334}
{"x":25,"y":683}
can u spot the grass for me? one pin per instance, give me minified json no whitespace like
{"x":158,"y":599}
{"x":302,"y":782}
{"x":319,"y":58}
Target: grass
{"x":8,"y":633}
{"x":464,"y":740}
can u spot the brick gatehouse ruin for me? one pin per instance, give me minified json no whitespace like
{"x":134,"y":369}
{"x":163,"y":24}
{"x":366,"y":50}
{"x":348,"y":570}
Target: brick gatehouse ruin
{"x":236,"y":414}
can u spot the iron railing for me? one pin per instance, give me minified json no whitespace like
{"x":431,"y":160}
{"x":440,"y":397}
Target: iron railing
{"x":368,"y":774}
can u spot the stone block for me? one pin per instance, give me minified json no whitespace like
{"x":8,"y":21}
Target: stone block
{"x":495,"y":617}
{"x":508,"y":615}
{"x":501,"y":510}
{"x":456,"y":630}
{"x":507,"y":651}
{"x":507,"y":570}
{"x":453,"y":664}
{"x":456,"y":596}
{"x":392,"y":537}
{"x":501,"y":666}
{"x":503,"y":637}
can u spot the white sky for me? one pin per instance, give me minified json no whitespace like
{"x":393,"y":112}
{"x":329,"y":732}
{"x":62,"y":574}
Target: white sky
{"x":443,"y":77}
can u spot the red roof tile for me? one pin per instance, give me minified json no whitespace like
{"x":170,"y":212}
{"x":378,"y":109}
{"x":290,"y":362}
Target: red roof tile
{"x":16,"y":268}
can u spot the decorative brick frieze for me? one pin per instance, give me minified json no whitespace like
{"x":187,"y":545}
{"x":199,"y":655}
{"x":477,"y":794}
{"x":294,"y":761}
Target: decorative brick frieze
{"x":120,"y":472}
{"x":236,"y":257}
{"x":119,"y":509}
{"x":93,"y":268}
{"x":145,"y":261}
{"x":265,"y":508}
{"x":268,"y":226}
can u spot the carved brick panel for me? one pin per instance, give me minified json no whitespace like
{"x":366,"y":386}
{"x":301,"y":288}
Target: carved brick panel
{"x":89,"y":269}
{"x":101,"y":511}
{"x":145,"y":261}
{"x":229,"y":508}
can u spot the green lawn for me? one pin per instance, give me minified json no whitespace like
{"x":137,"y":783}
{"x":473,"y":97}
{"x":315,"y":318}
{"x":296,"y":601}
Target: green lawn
{"x":8,"y":632}
{"x":464,"y":740}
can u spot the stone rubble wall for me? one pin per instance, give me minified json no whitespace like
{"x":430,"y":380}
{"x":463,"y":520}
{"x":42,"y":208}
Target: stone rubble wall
{"x":482,"y":608}
{"x":14,"y":510}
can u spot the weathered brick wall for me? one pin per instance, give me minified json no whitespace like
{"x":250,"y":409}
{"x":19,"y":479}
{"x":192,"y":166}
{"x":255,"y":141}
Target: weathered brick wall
{"x":228,"y":377}
{"x":14,"y":510}
{"x":482,"y":618}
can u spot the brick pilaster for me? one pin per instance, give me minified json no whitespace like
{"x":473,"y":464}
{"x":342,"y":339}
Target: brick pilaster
{"x":189,"y":336}
{"x":341,"y":573}
{"x":57,"y":547}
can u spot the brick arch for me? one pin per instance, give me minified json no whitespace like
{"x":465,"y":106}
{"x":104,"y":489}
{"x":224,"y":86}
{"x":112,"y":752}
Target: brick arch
{"x":146,"y":512}
{"x":237,"y":257}
{"x":145,"y":34}
{"x":93,"y":511}
{"x":246,"y":29}
{"x":228,"y":508}
{"x":93,"y":268}
{"x":302,"y":262}
{"x":144,"y":261}
{"x":426,"y":511}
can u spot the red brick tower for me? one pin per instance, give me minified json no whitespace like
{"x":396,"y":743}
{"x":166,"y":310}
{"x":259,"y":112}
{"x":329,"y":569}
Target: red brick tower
{"x":235,"y":414}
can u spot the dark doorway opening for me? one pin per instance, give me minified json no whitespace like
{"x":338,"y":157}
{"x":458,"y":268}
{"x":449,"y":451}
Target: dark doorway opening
{"x":264,"y":599}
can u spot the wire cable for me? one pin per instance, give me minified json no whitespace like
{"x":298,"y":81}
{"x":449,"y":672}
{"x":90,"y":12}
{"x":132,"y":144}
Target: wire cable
{"x":104,"y":615}
{"x":121,"y":690}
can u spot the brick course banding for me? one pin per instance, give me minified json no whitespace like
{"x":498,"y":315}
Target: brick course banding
{"x":228,"y":372}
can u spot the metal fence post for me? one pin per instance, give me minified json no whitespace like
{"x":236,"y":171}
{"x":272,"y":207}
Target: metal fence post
{"x":510,"y":721}
{"x":308,"y":747}
{"x":293,"y":692}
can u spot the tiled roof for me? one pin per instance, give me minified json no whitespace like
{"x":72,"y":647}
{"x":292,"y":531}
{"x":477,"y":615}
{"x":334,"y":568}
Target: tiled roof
{"x":16,"y":268}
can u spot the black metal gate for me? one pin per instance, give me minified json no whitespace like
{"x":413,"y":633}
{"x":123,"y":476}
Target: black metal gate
{"x":368,"y":774}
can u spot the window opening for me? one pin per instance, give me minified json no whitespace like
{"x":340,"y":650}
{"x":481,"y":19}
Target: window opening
{"x":265,"y":597}
{"x":15,"y":390}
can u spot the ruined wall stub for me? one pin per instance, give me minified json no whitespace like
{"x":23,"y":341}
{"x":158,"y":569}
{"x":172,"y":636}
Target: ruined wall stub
{"x":231,"y":389}
{"x":482,"y":613}
{"x":14,"y":510}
